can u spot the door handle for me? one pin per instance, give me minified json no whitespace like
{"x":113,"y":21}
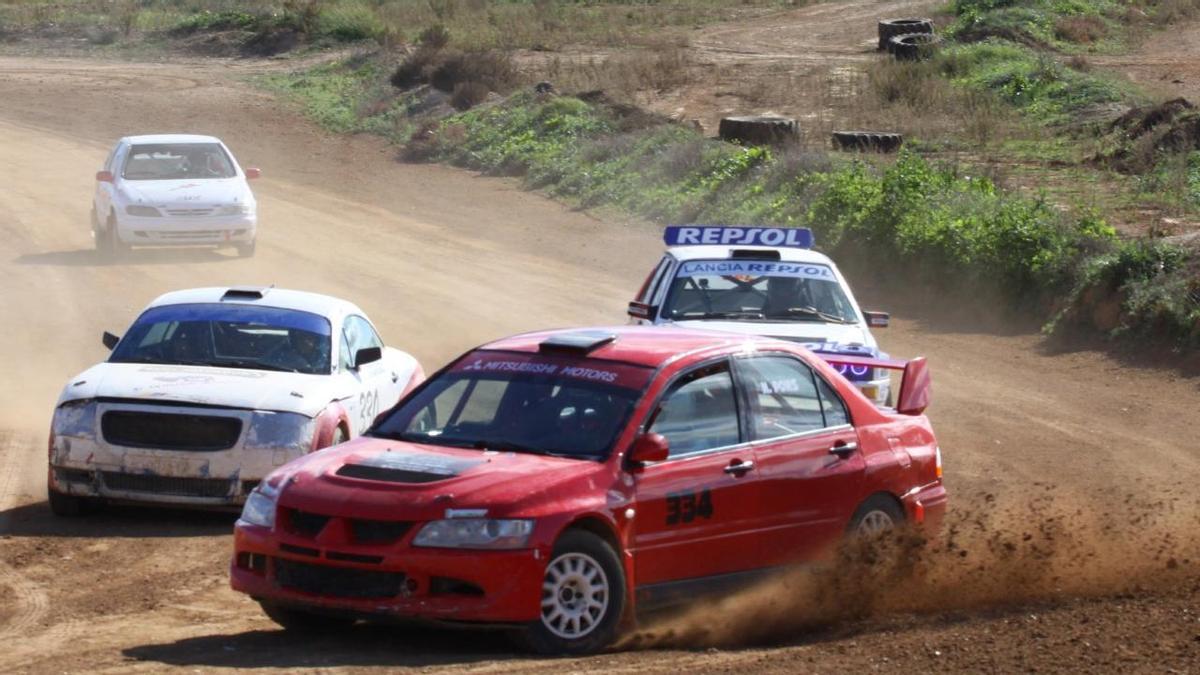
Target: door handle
{"x":739,"y":468}
{"x":843,"y":450}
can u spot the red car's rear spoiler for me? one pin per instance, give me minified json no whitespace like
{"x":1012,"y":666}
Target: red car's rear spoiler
{"x":914,"y":386}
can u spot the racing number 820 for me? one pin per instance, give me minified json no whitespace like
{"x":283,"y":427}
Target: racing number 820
{"x":684,"y":507}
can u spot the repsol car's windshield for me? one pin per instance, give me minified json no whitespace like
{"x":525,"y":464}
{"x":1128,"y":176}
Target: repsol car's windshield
{"x":175,"y":161}
{"x":754,"y":289}
{"x":520,"y":402}
{"x":230,"y":336}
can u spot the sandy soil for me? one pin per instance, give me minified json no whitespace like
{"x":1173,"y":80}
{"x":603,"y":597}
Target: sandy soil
{"x":1072,"y":545}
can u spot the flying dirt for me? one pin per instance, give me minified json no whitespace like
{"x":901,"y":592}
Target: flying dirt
{"x":1072,"y":542}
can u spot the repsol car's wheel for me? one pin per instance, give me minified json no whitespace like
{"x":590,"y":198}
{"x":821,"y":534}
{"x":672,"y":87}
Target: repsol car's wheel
{"x":70,"y":506}
{"x":300,"y":621}
{"x":876,"y":517}
{"x":890,"y":28}
{"x":583,"y":597}
{"x":246,"y":250}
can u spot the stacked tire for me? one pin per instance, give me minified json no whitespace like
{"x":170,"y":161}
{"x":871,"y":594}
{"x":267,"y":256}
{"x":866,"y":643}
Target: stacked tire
{"x":914,"y":46}
{"x":759,"y":130}
{"x":890,"y":28}
{"x":867,"y":141}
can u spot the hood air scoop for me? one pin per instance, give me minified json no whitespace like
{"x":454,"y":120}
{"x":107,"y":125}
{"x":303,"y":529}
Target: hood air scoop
{"x":396,"y":467}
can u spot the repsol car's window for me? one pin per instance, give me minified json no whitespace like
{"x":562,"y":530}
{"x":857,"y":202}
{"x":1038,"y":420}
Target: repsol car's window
{"x":522,"y":402}
{"x":755,"y":289}
{"x":783,"y":397}
{"x":177,"y":161}
{"x":699,"y":413}
{"x":228,"y":336}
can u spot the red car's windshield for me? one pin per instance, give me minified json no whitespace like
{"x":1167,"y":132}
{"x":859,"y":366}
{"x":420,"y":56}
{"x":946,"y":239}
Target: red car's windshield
{"x":522,"y":402}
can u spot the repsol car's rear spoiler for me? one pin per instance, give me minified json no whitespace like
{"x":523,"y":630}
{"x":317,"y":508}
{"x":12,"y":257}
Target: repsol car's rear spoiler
{"x":915,"y":385}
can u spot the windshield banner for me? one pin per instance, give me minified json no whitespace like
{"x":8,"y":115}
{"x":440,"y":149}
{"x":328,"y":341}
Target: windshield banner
{"x":729,"y":268}
{"x":780,"y":237}
{"x":512,"y":363}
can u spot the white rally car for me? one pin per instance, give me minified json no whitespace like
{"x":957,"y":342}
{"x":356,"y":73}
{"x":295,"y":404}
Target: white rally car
{"x":764,"y":281}
{"x":173,"y":189}
{"x":211,"y":389}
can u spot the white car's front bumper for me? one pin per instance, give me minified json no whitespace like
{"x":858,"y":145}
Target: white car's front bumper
{"x":92,"y":458}
{"x":185,"y":230}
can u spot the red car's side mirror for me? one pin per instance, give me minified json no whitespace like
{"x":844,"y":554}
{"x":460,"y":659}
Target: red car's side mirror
{"x":104,"y":176}
{"x":253,"y":173}
{"x":649,"y":448}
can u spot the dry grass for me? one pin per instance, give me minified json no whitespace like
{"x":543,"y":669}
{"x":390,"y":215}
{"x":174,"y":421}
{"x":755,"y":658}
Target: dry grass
{"x":624,"y":76}
{"x":1080,"y":29}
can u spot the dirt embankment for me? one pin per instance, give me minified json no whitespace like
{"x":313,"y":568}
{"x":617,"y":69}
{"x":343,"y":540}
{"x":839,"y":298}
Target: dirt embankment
{"x":1071,"y":544}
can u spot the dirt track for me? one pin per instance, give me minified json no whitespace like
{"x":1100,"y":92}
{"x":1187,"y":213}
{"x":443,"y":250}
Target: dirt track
{"x":1038,"y":444}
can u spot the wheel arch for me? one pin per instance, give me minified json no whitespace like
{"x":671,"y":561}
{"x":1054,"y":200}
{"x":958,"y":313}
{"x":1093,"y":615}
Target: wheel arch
{"x":877,"y":497}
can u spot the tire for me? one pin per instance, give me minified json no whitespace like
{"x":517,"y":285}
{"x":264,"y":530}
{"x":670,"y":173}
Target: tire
{"x":70,"y":506}
{"x":246,"y":250}
{"x":890,"y":28}
{"x":914,"y":46}
{"x":875,"y":518}
{"x":339,"y":436}
{"x":867,"y":141}
{"x":100,"y":237}
{"x":762,"y":130}
{"x":117,"y":249}
{"x":300,"y":621}
{"x":580,"y":561}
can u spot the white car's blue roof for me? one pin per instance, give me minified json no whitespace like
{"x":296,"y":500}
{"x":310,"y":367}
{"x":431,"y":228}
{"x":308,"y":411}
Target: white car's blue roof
{"x":170,"y":138}
{"x":721,"y":252}
{"x":315,"y":303}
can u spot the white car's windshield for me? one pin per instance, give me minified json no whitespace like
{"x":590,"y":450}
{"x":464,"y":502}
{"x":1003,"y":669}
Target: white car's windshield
{"x":230,"y":336}
{"x":521,"y":402}
{"x":175,"y":161}
{"x":757,"y":290}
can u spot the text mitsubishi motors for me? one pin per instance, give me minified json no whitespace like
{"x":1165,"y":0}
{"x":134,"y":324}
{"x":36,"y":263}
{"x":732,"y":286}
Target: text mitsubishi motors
{"x":762,"y":281}
{"x":562,"y":483}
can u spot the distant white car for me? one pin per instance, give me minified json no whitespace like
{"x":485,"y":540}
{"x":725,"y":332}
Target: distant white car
{"x":170,"y":190}
{"x":763,"y":281}
{"x":211,"y":389}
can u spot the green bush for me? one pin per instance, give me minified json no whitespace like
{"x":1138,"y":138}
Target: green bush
{"x":205,"y":21}
{"x":348,"y":22}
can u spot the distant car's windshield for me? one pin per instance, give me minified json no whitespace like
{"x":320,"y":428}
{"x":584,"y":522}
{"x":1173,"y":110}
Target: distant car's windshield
{"x":757,"y":290}
{"x":520,"y":402}
{"x":230,"y":336}
{"x":174,"y":161}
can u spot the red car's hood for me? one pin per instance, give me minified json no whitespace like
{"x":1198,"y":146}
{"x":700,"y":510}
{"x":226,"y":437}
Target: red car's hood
{"x":393,"y":480}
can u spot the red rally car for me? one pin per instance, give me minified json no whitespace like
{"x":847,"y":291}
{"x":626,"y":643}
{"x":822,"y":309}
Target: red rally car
{"x":559,"y":481}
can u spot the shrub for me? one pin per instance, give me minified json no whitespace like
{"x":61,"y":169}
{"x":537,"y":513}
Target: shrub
{"x":494,"y":70}
{"x":467,"y":95}
{"x":348,"y":23}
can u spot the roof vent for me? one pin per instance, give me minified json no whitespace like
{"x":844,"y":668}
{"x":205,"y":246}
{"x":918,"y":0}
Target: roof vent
{"x":753,"y":254}
{"x":246,"y":292}
{"x":575,"y":343}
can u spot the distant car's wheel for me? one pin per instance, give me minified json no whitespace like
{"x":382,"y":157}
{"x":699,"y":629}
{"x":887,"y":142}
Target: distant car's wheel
{"x":246,"y":250}
{"x":876,"y":517}
{"x":583,"y":597}
{"x":100,"y":237}
{"x":300,"y":621}
{"x":69,"y":506}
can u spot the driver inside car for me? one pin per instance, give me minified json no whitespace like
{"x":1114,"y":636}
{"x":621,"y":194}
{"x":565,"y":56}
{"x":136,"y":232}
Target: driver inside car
{"x":303,"y":352}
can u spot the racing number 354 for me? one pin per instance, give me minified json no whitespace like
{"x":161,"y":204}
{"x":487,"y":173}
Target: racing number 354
{"x":684,"y":507}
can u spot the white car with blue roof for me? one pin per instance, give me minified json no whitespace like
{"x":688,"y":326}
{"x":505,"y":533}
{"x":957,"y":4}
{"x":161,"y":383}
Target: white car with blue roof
{"x":763,"y":281}
{"x":211,"y":389}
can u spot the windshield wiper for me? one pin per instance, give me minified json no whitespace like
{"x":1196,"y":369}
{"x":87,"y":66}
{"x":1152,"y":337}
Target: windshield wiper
{"x":742,"y":314}
{"x":250,"y":365}
{"x":793,"y":312}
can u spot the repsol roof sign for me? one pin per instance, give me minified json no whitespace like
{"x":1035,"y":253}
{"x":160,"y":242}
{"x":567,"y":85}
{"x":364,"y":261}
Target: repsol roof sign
{"x":698,"y":235}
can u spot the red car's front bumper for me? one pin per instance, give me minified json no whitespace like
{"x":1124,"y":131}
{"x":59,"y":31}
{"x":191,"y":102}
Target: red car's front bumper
{"x":419,"y":583}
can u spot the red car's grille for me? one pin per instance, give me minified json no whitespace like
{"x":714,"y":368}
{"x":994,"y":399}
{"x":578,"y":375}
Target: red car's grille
{"x":338,"y":582}
{"x":305,"y":524}
{"x":362,"y":531}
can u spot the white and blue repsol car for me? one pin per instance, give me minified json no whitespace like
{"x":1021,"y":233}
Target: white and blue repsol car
{"x":765,"y":281}
{"x":212,"y":389}
{"x":170,"y":190}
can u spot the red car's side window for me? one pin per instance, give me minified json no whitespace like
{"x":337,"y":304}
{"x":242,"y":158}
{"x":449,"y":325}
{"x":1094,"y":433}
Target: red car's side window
{"x":700,"y":412}
{"x":786,"y":398}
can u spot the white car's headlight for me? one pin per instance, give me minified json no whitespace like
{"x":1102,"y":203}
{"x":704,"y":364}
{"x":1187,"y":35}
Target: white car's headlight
{"x":76,"y":419}
{"x":142,"y":211}
{"x":475,"y":533}
{"x":260,"y":506}
{"x":242,"y":209}
{"x":280,"y":431}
